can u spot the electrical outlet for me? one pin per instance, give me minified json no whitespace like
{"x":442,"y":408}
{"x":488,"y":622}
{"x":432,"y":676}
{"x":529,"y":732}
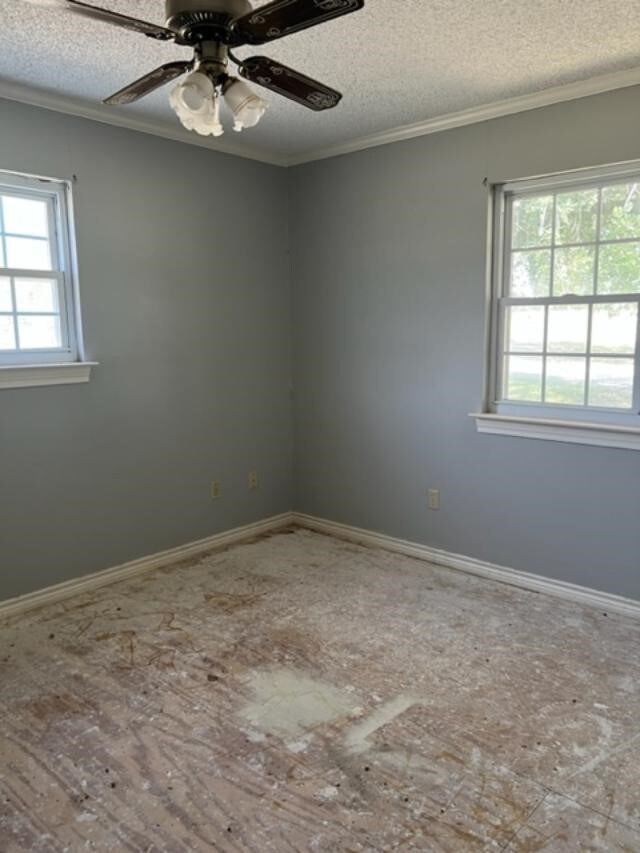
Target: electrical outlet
{"x":216,"y":489}
{"x":434,"y":498}
{"x":252,"y":481}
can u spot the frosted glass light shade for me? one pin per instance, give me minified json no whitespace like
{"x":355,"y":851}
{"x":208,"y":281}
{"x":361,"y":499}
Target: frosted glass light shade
{"x":247,"y":107}
{"x":197,"y":105}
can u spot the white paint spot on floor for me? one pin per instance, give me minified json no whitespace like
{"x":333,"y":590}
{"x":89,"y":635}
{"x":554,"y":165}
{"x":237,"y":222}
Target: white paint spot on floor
{"x":289,"y":703}
{"x":255,"y":737}
{"x":298,"y":746}
{"x":477,"y":759}
{"x":405,"y":762}
{"x":357,"y":736}
{"x":86,"y":817}
{"x":606,"y":729}
{"x":328,"y":793}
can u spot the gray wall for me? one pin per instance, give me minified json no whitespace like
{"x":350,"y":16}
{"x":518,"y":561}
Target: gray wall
{"x":388,"y":265}
{"x":184,"y":278}
{"x":190,"y":320}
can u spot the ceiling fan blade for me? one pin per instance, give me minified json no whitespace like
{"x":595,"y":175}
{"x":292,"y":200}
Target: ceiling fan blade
{"x":285,"y":81}
{"x":284,"y":17}
{"x":106,"y":16}
{"x":147,"y":84}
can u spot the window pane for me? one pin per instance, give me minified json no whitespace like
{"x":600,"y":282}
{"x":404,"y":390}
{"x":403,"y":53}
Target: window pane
{"x":523,"y":378}
{"x":614,"y":328}
{"x":532,"y":221}
{"x":620,"y":212}
{"x":567,"y":330}
{"x":25,"y":216}
{"x":573,"y":271}
{"x":566,"y":380}
{"x":26,"y":254}
{"x":36,"y":294}
{"x":6,"y":302}
{"x":530,"y":273}
{"x":576,"y":216}
{"x":525,"y":329}
{"x":611,"y":383}
{"x":39,"y":332}
{"x":619,"y":270}
{"x":7,"y":334}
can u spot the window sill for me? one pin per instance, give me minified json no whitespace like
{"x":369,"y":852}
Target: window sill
{"x":36,"y":375}
{"x":573,"y":432}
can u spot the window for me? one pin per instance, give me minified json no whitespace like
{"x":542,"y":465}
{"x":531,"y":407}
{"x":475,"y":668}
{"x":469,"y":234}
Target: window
{"x":39,"y":321}
{"x":40,"y":331}
{"x":566,"y":305}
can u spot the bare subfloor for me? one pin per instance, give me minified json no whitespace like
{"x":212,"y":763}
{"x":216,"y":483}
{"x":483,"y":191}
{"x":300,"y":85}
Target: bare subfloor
{"x":300,"y":693}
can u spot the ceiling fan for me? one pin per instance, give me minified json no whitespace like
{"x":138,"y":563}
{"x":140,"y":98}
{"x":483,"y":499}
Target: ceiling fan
{"x":213,"y":29}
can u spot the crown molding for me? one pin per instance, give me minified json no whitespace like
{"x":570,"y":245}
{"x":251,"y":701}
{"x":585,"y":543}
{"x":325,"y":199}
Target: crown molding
{"x":474,"y":115}
{"x":498,"y":109}
{"x":112,"y":116}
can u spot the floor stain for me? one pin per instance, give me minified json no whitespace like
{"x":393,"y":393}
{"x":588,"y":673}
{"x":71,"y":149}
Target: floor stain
{"x":296,"y":693}
{"x":289,"y":703}
{"x":229,"y":601}
{"x":57,"y":706}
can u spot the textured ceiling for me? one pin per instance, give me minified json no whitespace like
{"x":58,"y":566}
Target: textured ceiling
{"x":397,"y":61}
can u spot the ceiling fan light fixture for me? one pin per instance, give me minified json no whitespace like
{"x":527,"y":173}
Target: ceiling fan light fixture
{"x":197,"y":105}
{"x":212,"y":28}
{"x":246,"y":107}
{"x":194,"y":93}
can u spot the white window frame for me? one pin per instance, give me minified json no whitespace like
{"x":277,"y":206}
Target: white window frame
{"x":612,"y":427}
{"x":67,"y":364}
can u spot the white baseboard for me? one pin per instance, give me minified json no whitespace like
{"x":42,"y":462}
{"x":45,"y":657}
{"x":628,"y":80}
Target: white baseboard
{"x":536,"y":583}
{"x":87,"y":583}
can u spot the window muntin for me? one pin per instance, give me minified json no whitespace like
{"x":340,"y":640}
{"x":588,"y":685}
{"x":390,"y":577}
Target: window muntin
{"x":37,"y":298}
{"x":567,"y":309}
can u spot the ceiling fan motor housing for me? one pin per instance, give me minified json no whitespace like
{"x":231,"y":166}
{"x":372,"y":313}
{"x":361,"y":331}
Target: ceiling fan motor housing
{"x":212,"y":28}
{"x":196,"y":21}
